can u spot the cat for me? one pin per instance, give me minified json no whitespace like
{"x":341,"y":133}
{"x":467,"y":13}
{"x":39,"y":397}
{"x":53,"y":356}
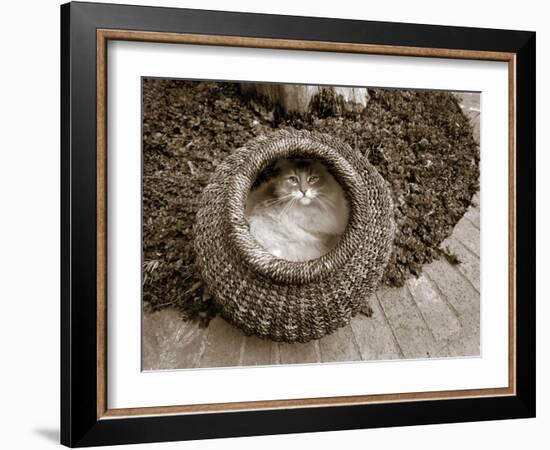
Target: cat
{"x":300,"y":212}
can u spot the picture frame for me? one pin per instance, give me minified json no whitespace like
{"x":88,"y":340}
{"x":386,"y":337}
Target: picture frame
{"x":86,"y":418}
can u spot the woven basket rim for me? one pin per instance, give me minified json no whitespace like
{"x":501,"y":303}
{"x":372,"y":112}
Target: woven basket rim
{"x":279,"y":145}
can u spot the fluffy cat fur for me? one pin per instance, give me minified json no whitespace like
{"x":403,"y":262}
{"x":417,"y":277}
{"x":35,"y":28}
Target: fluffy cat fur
{"x":300,"y":212}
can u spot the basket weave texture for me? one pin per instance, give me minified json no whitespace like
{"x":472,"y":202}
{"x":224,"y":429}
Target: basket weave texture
{"x":282,"y":300}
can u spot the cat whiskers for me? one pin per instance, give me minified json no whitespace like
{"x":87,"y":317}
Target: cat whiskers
{"x":273,"y":201}
{"x":323,"y":198}
{"x":324,"y":207}
{"x":287,"y":208}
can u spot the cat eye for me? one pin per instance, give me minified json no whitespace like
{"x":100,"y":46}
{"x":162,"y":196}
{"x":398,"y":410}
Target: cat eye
{"x":293,"y":180}
{"x":313,"y":179}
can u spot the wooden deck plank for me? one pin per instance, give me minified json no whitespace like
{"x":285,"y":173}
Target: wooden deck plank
{"x":466,"y":302}
{"x":470,"y":105}
{"x":339,"y":346}
{"x":374,"y":335}
{"x":468,"y":235}
{"x":170,"y":342}
{"x":473,"y":216}
{"x":299,"y":353}
{"x":410,"y":329}
{"x":469,"y":262}
{"x":443,"y":352}
{"x":437,"y":313}
{"x":259,"y":352}
{"x":456,"y":289}
{"x":223,"y":345}
{"x":467,"y":344}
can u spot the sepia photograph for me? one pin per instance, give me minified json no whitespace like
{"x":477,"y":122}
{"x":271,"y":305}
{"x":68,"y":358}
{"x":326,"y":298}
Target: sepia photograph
{"x":308,"y":224}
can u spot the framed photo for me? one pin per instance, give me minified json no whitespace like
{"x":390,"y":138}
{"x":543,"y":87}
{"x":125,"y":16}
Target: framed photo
{"x":276,"y":224}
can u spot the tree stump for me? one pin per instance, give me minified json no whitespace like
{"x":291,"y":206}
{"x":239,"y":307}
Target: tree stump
{"x":305,"y":99}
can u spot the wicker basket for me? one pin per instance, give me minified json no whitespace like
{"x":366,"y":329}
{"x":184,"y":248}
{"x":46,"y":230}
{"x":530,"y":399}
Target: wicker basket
{"x":282,"y":300}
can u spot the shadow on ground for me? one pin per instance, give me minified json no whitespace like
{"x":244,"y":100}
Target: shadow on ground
{"x":49,"y":434}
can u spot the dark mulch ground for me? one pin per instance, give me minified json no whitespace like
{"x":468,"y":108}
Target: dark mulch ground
{"x":419,"y":141}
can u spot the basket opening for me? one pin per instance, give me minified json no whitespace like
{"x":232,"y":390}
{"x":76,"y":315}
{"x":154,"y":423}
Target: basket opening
{"x":296,"y":209}
{"x":262,"y":157}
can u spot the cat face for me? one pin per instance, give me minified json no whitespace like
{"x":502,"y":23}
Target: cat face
{"x":302,"y":180}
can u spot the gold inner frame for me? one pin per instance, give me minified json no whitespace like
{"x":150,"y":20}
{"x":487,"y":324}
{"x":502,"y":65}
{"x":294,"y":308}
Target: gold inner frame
{"x":104,"y":35}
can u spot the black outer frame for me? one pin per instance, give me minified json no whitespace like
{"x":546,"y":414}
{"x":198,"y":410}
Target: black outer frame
{"x":79,"y":423}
